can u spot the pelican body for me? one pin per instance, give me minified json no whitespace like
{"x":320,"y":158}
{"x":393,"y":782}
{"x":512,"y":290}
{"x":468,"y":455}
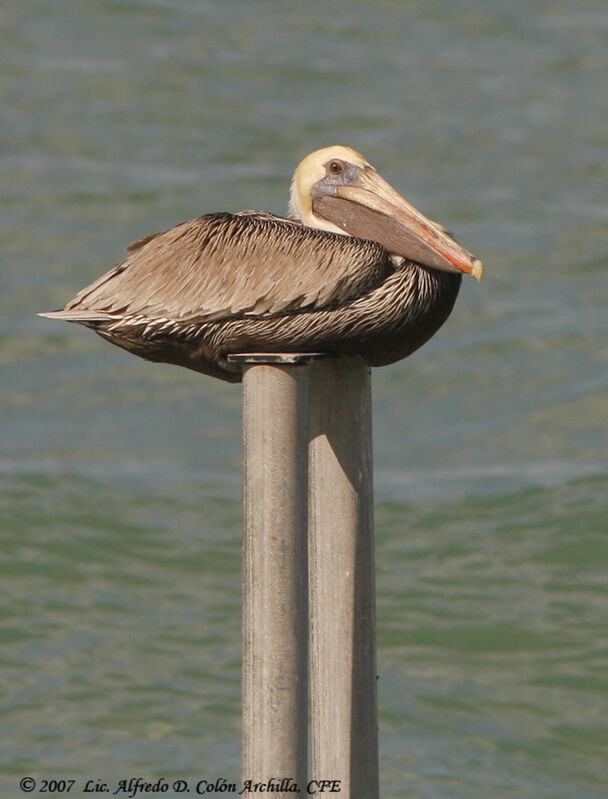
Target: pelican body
{"x":356,"y":271}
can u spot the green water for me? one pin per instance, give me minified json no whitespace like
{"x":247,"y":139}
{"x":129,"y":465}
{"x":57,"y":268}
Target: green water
{"x":120,"y":480}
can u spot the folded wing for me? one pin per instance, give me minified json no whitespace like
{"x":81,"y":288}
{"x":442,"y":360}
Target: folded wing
{"x":226,"y":265}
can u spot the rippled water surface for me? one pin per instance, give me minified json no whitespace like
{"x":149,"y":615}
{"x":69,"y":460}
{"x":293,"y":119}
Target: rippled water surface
{"x":120,"y":480}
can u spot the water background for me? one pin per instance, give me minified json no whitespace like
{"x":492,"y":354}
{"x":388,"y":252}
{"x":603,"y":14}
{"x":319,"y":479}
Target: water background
{"x":120,"y":480}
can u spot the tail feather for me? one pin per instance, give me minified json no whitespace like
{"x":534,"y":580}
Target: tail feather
{"x":79,"y":315}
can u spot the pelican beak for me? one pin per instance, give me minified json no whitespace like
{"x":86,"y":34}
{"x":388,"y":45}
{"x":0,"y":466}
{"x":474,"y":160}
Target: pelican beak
{"x":369,"y":208}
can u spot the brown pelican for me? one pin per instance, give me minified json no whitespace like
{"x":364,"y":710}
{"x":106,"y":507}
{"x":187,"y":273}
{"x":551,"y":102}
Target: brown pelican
{"x":356,"y":271}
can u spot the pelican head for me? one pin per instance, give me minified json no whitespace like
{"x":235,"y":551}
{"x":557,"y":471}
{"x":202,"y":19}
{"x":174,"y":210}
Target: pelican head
{"x":336,"y":189}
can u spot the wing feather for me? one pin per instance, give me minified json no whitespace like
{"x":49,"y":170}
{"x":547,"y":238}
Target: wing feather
{"x":225,"y":265}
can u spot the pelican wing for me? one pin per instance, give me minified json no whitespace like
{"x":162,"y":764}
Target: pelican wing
{"x":224,"y":265}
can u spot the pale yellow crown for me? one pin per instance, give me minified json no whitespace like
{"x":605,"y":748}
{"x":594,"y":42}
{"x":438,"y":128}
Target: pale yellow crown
{"x":310,"y":171}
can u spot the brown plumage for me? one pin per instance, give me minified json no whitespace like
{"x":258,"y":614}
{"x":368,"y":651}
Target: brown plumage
{"x":254,"y":282}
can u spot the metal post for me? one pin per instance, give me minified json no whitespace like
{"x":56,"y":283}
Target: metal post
{"x":341,"y":575}
{"x":275,"y":566}
{"x":334,"y":395}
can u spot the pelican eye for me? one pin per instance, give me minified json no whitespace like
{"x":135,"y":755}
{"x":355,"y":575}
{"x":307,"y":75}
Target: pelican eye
{"x":335,"y":167}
